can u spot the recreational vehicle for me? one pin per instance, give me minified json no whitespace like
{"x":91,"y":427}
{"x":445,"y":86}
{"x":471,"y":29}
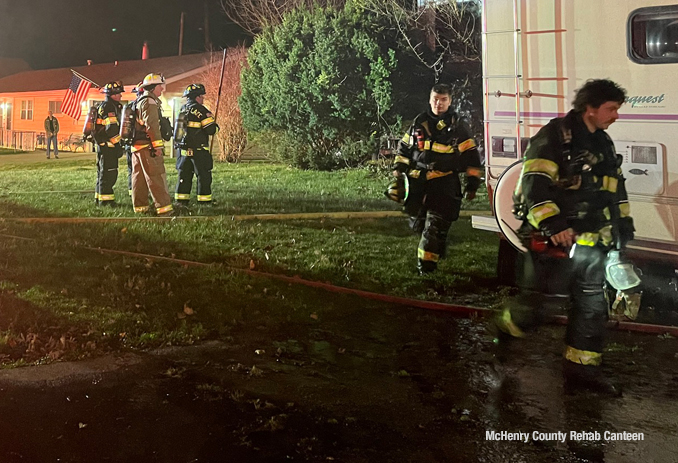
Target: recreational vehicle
{"x":537,"y":52}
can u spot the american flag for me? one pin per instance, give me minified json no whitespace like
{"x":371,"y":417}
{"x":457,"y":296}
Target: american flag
{"x":75,"y":95}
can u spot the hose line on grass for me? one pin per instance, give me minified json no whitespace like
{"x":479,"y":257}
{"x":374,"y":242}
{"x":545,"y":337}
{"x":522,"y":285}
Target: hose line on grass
{"x":293,"y":216}
{"x":429,"y":305}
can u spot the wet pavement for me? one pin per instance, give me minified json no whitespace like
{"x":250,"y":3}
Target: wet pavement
{"x":374,"y":384}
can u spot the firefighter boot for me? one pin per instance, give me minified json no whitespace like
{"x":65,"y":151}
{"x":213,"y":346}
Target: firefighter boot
{"x":425,"y":267}
{"x":580,"y":377}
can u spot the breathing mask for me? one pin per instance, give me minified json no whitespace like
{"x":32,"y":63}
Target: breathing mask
{"x":620,"y":274}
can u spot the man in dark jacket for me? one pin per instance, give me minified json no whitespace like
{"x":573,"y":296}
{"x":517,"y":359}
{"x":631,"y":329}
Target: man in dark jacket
{"x":572,"y":197}
{"x":52,"y":134}
{"x":194,"y":154}
{"x":436,"y":148}
{"x":109,"y":149}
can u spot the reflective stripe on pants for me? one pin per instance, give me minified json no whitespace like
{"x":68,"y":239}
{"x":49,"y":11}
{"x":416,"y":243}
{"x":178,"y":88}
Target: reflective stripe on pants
{"x":148,"y":174}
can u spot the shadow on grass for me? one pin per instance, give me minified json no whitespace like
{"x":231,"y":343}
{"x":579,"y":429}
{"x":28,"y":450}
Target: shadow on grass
{"x":9,"y":208}
{"x":29,"y":333}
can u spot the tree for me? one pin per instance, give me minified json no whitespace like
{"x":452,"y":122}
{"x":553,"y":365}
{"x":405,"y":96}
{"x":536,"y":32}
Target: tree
{"x":318,"y":83}
{"x":443,"y":35}
{"x":232,"y":136}
{"x":439,"y":32}
{"x":254,"y":15}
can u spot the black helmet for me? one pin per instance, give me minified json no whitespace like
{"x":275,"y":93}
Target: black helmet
{"x":194,"y":90}
{"x":113,"y":88}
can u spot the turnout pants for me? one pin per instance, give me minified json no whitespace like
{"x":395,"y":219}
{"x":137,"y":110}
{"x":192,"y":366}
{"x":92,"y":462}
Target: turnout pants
{"x":128,"y":152}
{"x":440,"y":200}
{"x":199,"y":162}
{"x":582,"y":277}
{"x":585,"y":336}
{"x":148,"y":175}
{"x":107,"y":172}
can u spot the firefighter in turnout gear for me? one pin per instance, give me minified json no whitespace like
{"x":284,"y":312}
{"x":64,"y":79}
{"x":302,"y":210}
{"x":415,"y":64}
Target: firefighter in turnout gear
{"x":434,"y":151}
{"x":128,"y":147}
{"x":148,"y":167}
{"x":572,"y":199}
{"x":107,"y":138}
{"x":193,"y":144}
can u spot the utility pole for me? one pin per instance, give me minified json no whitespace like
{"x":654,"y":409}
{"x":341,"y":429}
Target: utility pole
{"x":181,"y":33}
{"x":208,"y":44}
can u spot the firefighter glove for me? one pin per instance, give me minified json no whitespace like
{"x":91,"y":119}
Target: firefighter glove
{"x":401,"y":167}
{"x":625,"y":231}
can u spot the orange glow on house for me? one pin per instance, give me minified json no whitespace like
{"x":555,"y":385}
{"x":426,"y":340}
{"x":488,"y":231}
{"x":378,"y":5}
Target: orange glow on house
{"x":27,"y":97}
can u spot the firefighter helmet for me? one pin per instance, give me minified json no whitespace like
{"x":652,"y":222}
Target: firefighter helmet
{"x":152,"y":79}
{"x":137,"y":88}
{"x":194,"y":90}
{"x":113,"y":88}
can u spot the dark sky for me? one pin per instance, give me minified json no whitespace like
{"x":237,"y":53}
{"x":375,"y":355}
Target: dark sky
{"x":61,"y":33}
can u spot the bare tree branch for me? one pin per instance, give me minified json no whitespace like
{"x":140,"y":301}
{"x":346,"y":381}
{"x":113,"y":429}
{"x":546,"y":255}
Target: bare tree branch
{"x":231,"y":137}
{"x":438,"y":32}
{"x":254,"y":15}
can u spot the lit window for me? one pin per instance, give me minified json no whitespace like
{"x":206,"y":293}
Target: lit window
{"x":653,"y":35}
{"x":55,"y":107}
{"x":27,"y":110}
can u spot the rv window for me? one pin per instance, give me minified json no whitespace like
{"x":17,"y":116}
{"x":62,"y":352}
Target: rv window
{"x":652,"y":35}
{"x":644,"y":155}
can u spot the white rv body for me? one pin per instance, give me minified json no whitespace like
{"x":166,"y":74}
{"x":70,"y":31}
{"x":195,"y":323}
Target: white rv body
{"x":537,"y":52}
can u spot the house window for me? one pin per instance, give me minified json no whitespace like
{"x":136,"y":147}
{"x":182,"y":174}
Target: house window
{"x":27,"y":110}
{"x":55,"y":107}
{"x":652,"y":35}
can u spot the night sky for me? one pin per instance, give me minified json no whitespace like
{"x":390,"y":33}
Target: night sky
{"x":62,"y":33}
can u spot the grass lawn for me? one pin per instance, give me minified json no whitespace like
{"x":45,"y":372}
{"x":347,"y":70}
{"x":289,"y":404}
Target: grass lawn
{"x":56,"y":189}
{"x":60,"y":300}
{"x":10,"y":151}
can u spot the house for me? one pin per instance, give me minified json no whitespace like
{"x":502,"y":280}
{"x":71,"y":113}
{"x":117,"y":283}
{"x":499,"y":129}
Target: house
{"x":9,"y":66}
{"x":26,"y":97}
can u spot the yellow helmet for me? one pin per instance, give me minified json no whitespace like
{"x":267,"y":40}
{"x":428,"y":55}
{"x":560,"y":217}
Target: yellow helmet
{"x":152,"y":79}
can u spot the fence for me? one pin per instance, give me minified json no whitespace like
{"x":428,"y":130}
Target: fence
{"x":20,"y":141}
{"x":30,"y":141}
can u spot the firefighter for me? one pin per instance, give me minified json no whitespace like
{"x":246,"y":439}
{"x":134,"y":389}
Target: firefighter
{"x":435,"y":150}
{"x":109,"y":149}
{"x":572,"y":199}
{"x":194,"y":155}
{"x":128,"y":148}
{"x":148,"y":167}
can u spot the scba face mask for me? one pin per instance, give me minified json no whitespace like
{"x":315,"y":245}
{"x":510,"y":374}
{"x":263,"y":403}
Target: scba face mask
{"x":621,"y":275}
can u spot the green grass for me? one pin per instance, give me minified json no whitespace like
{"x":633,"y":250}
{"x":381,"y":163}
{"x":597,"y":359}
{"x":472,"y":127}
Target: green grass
{"x":59,"y":300}
{"x":29,"y":190}
{"x":10,"y":151}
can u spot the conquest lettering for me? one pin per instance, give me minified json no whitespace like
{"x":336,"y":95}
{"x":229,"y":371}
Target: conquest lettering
{"x":644,"y":99}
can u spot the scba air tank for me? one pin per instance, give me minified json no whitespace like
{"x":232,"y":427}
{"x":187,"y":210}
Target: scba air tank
{"x":90,"y":123}
{"x":128,"y":120}
{"x":180,"y":129}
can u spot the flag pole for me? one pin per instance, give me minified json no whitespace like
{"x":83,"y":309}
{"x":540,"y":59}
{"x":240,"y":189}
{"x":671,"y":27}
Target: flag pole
{"x":221,"y":83}
{"x":85,"y":78}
